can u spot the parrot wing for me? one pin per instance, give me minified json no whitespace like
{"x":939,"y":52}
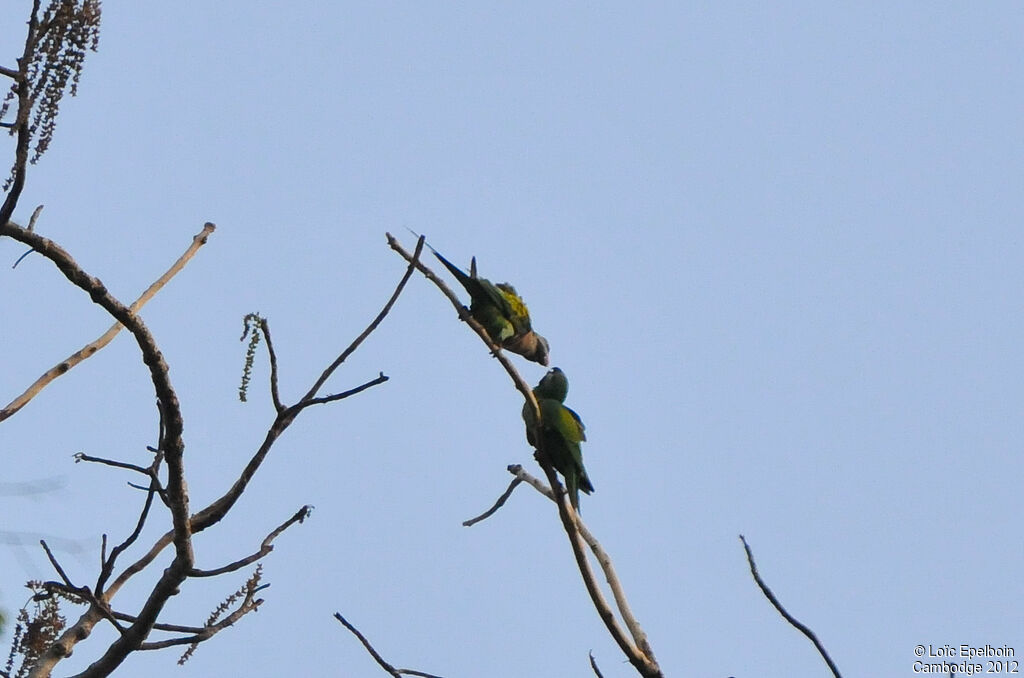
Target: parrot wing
{"x":518,"y":313}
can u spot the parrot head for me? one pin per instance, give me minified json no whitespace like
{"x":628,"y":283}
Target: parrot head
{"x":531,"y":346}
{"x":554,"y":385}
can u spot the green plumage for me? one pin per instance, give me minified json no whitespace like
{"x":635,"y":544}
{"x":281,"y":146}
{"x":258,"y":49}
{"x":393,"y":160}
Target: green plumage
{"x":502,"y":313}
{"x":561,"y":432}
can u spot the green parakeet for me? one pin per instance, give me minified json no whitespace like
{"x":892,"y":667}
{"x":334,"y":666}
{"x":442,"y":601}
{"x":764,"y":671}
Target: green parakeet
{"x":502,"y":313}
{"x":561,"y":432}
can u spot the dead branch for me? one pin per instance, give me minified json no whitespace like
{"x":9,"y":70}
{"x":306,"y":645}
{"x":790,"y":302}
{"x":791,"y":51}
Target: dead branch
{"x":603,"y":559}
{"x":31,"y":226}
{"x":413,"y":263}
{"x":272,"y":355}
{"x":639,"y":654}
{"x":172,"y":628}
{"x":497,"y":505}
{"x":520,"y":473}
{"x":396,"y":673}
{"x":82,"y":456}
{"x":248,"y":604}
{"x":593,"y":665}
{"x":93,"y":347}
{"x":381,"y":378}
{"x":56,"y":565}
{"x":786,"y":615}
{"x":107,"y":564}
{"x":265,"y":547}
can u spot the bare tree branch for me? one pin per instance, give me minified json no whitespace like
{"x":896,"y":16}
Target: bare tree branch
{"x":413,"y":263}
{"x":605,"y":562}
{"x":107,"y":565}
{"x":82,"y":456}
{"x":93,"y":347}
{"x":519,"y":472}
{"x":265,"y":548}
{"x":396,"y":673}
{"x":381,"y":378}
{"x":637,"y":651}
{"x":497,"y":505}
{"x":593,"y":665}
{"x":172,"y":628}
{"x":786,"y":615}
{"x":31,"y":226}
{"x":249,"y":604}
{"x":56,"y":565}
{"x":274,"y":394}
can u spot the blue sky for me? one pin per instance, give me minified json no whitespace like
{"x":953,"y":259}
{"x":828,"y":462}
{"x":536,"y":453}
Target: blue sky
{"x":776,"y":249}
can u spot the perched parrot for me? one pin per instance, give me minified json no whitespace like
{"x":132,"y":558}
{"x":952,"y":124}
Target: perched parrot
{"x":502,"y":313}
{"x":561,"y":432}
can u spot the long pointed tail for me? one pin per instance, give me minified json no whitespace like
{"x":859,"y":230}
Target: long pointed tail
{"x":459,"y":274}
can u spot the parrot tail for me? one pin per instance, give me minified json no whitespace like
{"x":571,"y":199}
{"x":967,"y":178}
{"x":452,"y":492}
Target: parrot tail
{"x":572,"y":487}
{"x":463,"y":279}
{"x":585,"y":483}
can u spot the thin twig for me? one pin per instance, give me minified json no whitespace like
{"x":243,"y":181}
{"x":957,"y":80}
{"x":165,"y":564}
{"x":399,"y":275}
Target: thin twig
{"x":497,"y":505}
{"x":593,"y":665}
{"x":274,"y":395}
{"x":82,"y":456}
{"x":370,"y":328}
{"x":247,"y":605}
{"x":108,"y":563}
{"x":265,"y":548}
{"x":786,"y":615}
{"x":35,"y":217}
{"x":31,"y":227}
{"x":172,"y":628}
{"x":380,"y":379}
{"x":93,"y":347}
{"x":396,"y":673}
{"x":56,"y":565}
